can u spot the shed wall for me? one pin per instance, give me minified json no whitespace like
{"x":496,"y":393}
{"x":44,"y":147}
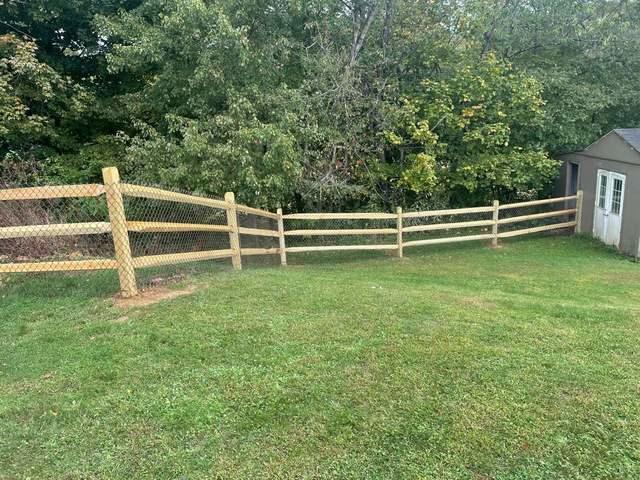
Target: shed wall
{"x":589,"y":166}
{"x":613,"y":147}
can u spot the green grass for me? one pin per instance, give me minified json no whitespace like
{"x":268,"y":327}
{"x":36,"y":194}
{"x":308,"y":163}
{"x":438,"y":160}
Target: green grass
{"x":455,"y":363}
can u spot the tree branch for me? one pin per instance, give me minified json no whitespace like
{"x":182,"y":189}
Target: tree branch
{"x":361,"y":26}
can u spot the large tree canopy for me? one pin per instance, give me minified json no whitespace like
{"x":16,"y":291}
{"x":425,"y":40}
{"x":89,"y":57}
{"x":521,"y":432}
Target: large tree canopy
{"x":315,"y":104}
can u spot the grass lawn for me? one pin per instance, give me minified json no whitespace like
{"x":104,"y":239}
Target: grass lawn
{"x":459,"y":362}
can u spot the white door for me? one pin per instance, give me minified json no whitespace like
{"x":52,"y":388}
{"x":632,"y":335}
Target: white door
{"x":607,"y":217}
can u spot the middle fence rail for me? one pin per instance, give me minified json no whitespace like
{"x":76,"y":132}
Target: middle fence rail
{"x":274,"y":234}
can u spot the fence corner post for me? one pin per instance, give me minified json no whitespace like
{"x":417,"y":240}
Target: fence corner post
{"x":400,"y":251}
{"x":283,"y":246}
{"x":579,"y":199}
{"x":234,"y":237}
{"x":119,"y":232}
{"x":494,"y":227}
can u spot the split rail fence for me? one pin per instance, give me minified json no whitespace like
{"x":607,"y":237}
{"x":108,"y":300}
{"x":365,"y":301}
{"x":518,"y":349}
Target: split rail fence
{"x":397,"y":228}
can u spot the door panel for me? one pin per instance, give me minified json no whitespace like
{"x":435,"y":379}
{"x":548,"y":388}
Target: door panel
{"x":600,"y":211}
{"x":614,"y":221}
{"x":607,"y":217}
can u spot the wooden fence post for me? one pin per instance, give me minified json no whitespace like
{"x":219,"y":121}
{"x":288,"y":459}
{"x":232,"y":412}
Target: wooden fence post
{"x":494,"y":228}
{"x":234,"y":237}
{"x":283,"y":247}
{"x":119,"y":232}
{"x":399,"y":228}
{"x":579,"y":198}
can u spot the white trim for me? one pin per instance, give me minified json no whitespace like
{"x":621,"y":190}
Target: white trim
{"x":622,"y":177}
{"x":599,"y":176}
{"x":596,"y":205}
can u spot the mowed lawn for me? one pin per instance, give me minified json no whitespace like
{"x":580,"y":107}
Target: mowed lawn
{"x":462,"y":362}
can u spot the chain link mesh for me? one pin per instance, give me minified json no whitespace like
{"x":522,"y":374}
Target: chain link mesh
{"x":168,"y":234}
{"x":345,"y":225}
{"x":436,"y":227}
{"x":147,"y":217}
{"x":61,"y":232}
{"x":541,"y":210}
{"x":440,"y":220}
{"x":248,"y":242}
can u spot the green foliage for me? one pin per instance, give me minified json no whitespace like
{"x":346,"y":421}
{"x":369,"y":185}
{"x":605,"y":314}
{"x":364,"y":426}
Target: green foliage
{"x":256,"y":160}
{"x":205,"y":125}
{"x":510,"y":175}
{"x":36,"y":104}
{"x":474,"y":134}
{"x":420,"y":176}
{"x":87,"y":161}
{"x":322,"y":104}
{"x":586,"y":54}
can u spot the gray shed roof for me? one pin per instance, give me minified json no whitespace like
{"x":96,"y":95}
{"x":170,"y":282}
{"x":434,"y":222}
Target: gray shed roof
{"x":631,"y":136}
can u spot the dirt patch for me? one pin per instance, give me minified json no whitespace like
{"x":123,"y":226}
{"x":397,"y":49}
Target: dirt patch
{"x":153,"y":296}
{"x":158,"y":281}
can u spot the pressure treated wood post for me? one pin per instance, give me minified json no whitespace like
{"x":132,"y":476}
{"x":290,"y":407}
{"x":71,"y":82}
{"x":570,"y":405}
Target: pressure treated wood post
{"x":399,"y":228}
{"x":494,"y":228}
{"x":119,"y":232}
{"x":579,"y":198}
{"x":234,"y":237}
{"x":283,"y":247}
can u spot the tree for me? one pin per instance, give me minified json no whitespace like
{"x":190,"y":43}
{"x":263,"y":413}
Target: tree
{"x":208,"y":109}
{"x":323,"y":103}
{"x":63,"y":45}
{"x":584,"y":52}
{"x":36,"y":106}
{"x":474,"y":136}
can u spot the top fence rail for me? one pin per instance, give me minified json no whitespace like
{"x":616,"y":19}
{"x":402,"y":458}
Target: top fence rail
{"x":51,"y":192}
{"x":339,"y":216}
{"x":159,"y":194}
{"x":537,"y":202}
{"x":451,"y":211}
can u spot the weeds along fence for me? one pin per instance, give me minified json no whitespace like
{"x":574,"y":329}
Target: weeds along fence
{"x":135,"y":229}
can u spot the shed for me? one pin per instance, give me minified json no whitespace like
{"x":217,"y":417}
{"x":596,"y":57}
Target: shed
{"x":608,"y":172}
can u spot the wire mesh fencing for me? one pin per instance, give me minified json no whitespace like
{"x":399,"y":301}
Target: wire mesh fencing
{"x":53,"y":228}
{"x":163,"y":235}
{"x":516,"y":217}
{"x":320,"y":232}
{"x":152,"y":236}
{"x":434,"y":228}
{"x":339,"y":232}
{"x":159,"y":228}
{"x":382,"y":234}
{"x":257,"y":234}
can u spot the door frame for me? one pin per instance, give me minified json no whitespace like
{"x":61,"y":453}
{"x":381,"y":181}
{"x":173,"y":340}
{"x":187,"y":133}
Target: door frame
{"x":569,"y":186}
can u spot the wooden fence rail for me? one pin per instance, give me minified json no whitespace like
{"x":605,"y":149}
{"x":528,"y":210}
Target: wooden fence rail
{"x":400,"y":230}
{"x":119,"y":226}
{"x":50,"y":192}
{"x":55,"y":230}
